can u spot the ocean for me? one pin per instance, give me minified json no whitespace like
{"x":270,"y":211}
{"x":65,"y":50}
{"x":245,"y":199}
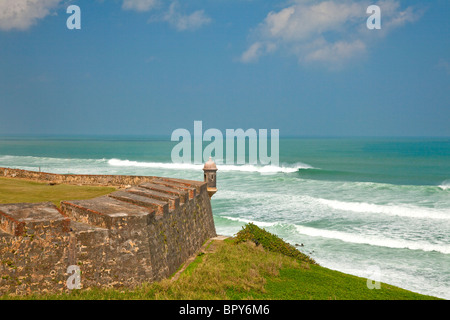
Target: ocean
{"x":355,"y":204}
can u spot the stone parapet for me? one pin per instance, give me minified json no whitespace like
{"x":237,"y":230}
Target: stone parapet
{"x":76,"y":179}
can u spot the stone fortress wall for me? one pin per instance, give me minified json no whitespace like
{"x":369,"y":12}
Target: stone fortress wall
{"x":141,"y":233}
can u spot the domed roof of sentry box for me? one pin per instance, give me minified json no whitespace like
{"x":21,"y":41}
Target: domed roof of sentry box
{"x":210,"y":165}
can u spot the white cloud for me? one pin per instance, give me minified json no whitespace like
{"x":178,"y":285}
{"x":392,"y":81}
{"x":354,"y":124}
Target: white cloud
{"x":21,"y":14}
{"x":336,"y":52}
{"x":393,"y":16}
{"x":139,"y":5}
{"x":252,"y":53}
{"x":301,"y":21}
{"x":256,"y":50}
{"x":182,"y":21}
{"x":327,"y":31}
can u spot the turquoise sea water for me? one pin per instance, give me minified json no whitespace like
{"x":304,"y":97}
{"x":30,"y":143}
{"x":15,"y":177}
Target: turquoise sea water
{"x":354,"y":204}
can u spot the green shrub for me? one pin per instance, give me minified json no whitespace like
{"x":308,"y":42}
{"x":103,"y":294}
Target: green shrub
{"x":271,"y":242}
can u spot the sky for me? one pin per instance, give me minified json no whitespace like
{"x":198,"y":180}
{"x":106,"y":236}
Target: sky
{"x":148,"y":67}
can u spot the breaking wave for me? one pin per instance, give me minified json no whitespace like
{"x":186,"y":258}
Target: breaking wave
{"x":222,"y":167}
{"x":32,"y":163}
{"x":393,"y":210}
{"x":356,"y":238}
{"x":445,"y":185}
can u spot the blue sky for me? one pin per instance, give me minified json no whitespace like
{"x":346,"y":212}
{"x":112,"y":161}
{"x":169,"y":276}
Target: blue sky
{"x":144,"y":67}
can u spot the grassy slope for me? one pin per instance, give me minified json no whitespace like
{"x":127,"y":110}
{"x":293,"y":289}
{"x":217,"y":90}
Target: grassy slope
{"x":15,"y":191}
{"x":310,"y":280}
{"x":254,"y":265}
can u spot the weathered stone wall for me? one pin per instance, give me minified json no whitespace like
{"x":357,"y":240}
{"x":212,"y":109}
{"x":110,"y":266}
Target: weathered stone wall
{"x":143,"y":233}
{"x":95,"y":180}
{"x":33,"y":247}
{"x":180,"y":234}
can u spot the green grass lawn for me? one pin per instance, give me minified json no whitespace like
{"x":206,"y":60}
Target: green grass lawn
{"x":15,"y":191}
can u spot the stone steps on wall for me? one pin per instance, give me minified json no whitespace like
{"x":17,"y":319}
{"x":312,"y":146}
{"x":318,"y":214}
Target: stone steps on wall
{"x":174,"y":201}
{"x":136,"y":204}
{"x":181,"y":194}
{"x":151,"y":200}
{"x":192,"y":191}
{"x":160,"y":207}
{"x":199,"y":185}
{"x":38,"y":219}
{"x":26,"y":219}
{"x":105,"y":212}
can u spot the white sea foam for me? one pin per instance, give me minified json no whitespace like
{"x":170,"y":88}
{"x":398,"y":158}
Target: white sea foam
{"x":371,"y":240}
{"x":305,"y":203}
{"x":157,"y":165}
{"x":222,"y":167}
{"x":31,"y":160}
{"x":445,"y":185}
{"x":390,"y":209}
{"x":356,"y":238}
{"x":258,"y":223}
{"x":54,"y":164}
